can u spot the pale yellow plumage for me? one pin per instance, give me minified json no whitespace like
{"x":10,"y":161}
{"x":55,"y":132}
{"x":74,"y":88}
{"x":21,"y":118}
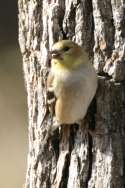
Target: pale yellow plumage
{"x":73,"y":80}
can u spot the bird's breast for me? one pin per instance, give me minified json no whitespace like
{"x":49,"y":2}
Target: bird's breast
{"x":62,"y":79}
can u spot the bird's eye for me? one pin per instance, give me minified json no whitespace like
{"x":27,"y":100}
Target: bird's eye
{"x":65,"y":49}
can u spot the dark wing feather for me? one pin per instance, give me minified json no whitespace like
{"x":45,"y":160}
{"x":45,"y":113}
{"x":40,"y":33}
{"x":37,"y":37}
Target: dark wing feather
{"x":51,"y":99}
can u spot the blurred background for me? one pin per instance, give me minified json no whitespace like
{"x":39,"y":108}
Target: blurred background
{"x":13,"y":109}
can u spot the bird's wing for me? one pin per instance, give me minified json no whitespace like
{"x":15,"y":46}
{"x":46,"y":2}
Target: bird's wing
{"x":51,"y":99}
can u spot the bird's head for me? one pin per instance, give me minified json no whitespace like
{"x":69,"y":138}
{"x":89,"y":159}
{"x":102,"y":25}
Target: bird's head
{"x":67,"y":54}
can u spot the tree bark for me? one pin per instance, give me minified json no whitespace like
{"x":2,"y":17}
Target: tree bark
{"x":70,"y":157}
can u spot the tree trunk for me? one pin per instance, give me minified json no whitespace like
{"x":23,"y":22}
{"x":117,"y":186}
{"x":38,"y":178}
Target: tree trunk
{"x":70,"y":157}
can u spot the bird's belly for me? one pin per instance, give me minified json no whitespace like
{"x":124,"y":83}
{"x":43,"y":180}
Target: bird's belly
{"x":74,"y":95}
{"x":72,"y":107}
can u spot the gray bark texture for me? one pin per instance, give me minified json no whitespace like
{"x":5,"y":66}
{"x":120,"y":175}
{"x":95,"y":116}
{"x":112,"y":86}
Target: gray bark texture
{"x":70,"y":157}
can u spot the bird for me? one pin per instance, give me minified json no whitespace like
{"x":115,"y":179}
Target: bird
{"x":71,"y":82}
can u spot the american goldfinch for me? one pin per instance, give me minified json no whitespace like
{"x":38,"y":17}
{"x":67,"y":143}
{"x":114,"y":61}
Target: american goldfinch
{"x":72,"y":80}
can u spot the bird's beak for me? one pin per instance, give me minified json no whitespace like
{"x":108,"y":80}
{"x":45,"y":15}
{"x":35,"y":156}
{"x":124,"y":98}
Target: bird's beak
{"x":55,"y":54}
